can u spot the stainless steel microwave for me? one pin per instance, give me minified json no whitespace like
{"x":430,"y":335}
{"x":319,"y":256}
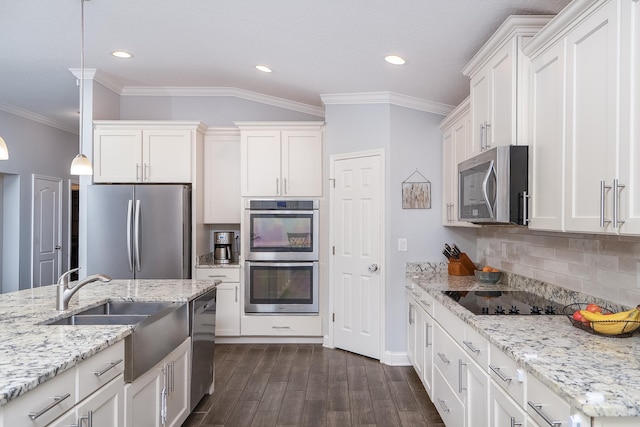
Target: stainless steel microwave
{"x":492,"y":186}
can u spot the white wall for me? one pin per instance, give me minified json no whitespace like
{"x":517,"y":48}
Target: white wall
{"x":34,"y":148}
{"x":411,"y":140}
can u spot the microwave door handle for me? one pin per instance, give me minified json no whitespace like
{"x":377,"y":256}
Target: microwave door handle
{"x":485,"y":183}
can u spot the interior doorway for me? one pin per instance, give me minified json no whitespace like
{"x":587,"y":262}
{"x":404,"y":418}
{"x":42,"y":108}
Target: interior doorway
{"x":46,"y":230}
{"x":74,"y":226}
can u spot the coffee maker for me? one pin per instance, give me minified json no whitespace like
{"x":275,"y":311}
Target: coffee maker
{"x":223,"y":247}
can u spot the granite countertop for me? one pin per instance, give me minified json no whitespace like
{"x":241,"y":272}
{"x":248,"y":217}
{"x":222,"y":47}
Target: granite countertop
{"x":570,"y":361}
{"x":31,"y":352}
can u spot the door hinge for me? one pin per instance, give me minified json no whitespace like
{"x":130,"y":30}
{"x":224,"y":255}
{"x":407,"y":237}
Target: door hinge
{"x":333,"y":318}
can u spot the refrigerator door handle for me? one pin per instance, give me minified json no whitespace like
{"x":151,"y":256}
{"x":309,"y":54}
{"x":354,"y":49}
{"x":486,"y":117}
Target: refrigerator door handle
{"x":136,"y":233}
{"x":129,"y":219}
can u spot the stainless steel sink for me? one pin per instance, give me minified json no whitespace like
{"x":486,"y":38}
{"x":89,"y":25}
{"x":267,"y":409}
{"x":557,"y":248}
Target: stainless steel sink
{"x":100,"y":319}
{"x":127,"y":307}
{"x":158,"y":328}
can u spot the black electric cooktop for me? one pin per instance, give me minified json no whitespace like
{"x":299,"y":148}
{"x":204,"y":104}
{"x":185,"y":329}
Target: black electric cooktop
{"x":504,"y":302}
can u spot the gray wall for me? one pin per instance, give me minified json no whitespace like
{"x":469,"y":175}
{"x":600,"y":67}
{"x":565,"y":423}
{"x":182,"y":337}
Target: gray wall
{"x":34,"y":148}
{"x":411,"y":140}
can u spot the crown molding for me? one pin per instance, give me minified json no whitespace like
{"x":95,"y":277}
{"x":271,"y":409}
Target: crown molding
{"x":387,"y":98}
{"x":223,"y":91}
{"x":37,"y":118}
{"x":462,"y":108}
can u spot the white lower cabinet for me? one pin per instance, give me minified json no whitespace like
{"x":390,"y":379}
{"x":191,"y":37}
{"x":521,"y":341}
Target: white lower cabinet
{"x":449,"y":407}
{"x":256,"y":325}
{"x":504,"y":412}
{"x":104,"y":408}
{"x":227,"y":299}
{"x":160,"y":397}
{"x":544,"y":406}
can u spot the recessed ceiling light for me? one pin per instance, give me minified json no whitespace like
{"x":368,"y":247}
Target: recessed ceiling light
{"x":394,"y":59}
{"x":263,"y":68}
{"x":121,"y":54}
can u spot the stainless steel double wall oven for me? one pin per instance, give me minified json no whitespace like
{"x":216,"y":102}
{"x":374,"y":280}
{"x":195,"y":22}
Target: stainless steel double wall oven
{"x":281,"y":256}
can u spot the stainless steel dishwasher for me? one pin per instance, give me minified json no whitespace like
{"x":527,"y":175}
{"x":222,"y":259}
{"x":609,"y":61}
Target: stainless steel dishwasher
{"x":202,"y":328}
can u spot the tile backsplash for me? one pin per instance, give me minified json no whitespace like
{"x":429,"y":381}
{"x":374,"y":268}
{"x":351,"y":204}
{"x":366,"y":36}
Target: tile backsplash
{"x":603,"y":266}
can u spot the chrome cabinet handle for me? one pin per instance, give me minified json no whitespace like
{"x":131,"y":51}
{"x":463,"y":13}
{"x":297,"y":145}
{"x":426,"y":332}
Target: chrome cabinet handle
{"x":426,"y":335}
{"x":616,"y":203}
{"x":56,"y":399}
{"x":137,"y":171}
{"x":487,"y":145}
{"x":538,"y":408}
{"x":281,"y":327}
{"x":410,"y":314}
{"x":603,"y":187}
{"x":277,"y":186}
{"x":444,"y":359}
{"x":108,"y":368}
{"x":285,"y":186}
{"x":514,"y":423}
{"x":217,"y":275}
{"x":146,"y":171}
{"x":525,"y":208}
{"x":461,"y":366}
{"x":500,"y":374}
{"x":236,"y":294}
{"x":88,"y":417}
{"x":443,"y":405}
{"x":482,"y":135}
{"x":471,"y":347}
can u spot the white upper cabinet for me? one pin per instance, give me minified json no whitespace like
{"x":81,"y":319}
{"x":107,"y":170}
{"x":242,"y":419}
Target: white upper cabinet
{"x":455,"y":137}
{"x":584,"y":110}
{"x":222,"y":176}
{"x":498,"y":74}
{"x":140,"y":152}
{"x":281,"y":159}
{"x":546,"y":140}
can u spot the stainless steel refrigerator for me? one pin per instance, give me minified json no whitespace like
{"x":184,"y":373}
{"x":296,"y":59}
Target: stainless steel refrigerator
{"x":139,"y":231}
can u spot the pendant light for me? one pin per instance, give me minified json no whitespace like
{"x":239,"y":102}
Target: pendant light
{"x":4,"y":151}
{"x":81,"y":165}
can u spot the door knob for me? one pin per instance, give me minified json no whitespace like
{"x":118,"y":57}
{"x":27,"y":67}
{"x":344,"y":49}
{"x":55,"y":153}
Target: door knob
{"x":373,"y":268}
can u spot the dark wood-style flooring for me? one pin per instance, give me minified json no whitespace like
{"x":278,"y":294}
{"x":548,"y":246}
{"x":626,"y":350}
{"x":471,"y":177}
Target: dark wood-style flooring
{"x":309,"y":385}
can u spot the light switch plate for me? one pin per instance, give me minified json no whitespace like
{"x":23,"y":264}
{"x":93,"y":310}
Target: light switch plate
{"x":402,"y":244}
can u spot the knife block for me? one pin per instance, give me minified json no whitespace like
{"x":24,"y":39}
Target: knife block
{"x":462,"y":266}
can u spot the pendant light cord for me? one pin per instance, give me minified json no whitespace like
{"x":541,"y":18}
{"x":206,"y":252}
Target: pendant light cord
{"x":81,"y":75}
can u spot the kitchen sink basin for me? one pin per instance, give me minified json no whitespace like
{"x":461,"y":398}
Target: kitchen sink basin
{"x":126,"y":308}
{"x":100,"y":319}
{"x":158,"y":328}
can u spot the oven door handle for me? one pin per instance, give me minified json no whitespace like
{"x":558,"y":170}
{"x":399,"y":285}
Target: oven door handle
{"x":278,"y":212}
{"x":281,"y":263}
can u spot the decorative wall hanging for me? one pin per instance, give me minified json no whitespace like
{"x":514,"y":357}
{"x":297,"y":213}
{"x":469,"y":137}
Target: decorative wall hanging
{"x":416,"y":194}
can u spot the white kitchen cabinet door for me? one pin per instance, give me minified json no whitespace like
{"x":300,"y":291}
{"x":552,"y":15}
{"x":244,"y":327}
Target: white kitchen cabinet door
{"x":504,"y":411}
{"x":260,"y":153}
{"x":117,"y":155}
{"x":178,"y":384}
{"x":547,"y":137}
{"x":106,"y":406}
{"x":222,"y":177}
{"x":448,"y":175}
{"x":412,"y":331}
{"x":301,"y":163}
{"x":480,"y":112}
{"x":592,"y":112}
{"x":427,"y":371}
{"x":143,"y":399}
{"x":476,"y":397}
{"x":166,"y":155}
{"x":420,"y":336}
{"x":450,"y":408}
{"x":228,"y":307}
{"x":629,"y":162}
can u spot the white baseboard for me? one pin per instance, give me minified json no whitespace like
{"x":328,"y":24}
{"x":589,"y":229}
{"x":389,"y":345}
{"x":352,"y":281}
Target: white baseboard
{"x":269,"y":340}
{"x":396,"y":358}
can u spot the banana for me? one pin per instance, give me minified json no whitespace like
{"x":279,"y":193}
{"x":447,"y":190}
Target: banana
{"x":614,"y":324}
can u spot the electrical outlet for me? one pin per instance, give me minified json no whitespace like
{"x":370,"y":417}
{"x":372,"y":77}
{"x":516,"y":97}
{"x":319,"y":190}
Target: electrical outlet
{"x":402,"y":244}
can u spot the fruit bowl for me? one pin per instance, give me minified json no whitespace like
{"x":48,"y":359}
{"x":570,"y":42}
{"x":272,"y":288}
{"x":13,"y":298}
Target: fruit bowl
{"x":619,"y":328}
{"x":487,"y":276}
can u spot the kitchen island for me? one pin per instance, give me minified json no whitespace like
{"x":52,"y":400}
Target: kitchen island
{"x":32,"y":352}
{"x":568,"y":361}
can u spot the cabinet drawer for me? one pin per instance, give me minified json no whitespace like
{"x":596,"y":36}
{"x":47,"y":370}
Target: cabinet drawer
{"x":449,"y":358}
{"x":504,"y":371}
{"x":452,"y":323}
{"x":98,"y":370}
{"x":427,"y":303}
{"x":543,"y":403}
{"x":41,"y":401}
{"x":282,"y":325}
{"x":449,"y":407}
{"x":224,"y":274}
{"x":476,"y":346}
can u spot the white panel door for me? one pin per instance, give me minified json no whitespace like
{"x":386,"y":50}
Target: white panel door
{"x":592,"y":110}
{"x":547,"y":110}
{"x":357,"y":234}
{"x":47,"y":226}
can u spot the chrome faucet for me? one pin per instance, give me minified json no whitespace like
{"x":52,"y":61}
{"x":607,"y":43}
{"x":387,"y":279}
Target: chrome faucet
{"x":64,"y":292}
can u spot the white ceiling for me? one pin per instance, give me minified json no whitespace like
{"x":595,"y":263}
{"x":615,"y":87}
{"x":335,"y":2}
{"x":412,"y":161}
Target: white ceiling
{"x":314,"y":47}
